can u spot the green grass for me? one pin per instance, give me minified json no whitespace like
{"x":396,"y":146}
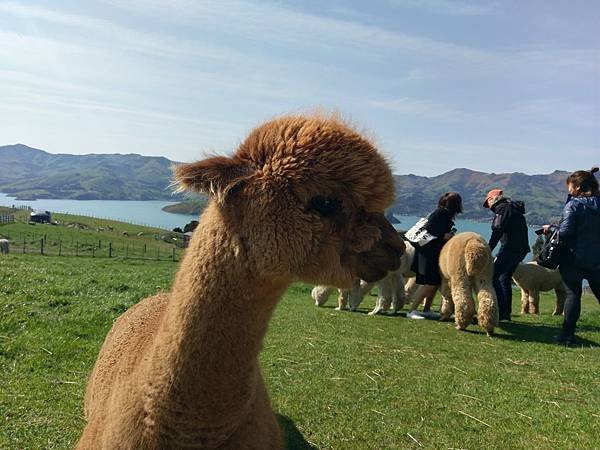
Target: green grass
{"x":344,"y":380}
{"x":87,"y":236}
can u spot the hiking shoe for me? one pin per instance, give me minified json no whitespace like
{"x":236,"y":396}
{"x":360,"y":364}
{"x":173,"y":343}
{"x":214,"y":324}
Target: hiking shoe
{"x":567,"y":340}
{"x":414,"y":314}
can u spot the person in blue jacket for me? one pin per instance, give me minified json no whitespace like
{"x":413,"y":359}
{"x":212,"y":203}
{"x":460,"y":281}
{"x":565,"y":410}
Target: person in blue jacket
{"x":580,"y":232}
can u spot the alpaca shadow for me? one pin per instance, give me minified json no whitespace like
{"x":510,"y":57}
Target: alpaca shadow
{"x":293,"y":437}
{"x":538,"y":333}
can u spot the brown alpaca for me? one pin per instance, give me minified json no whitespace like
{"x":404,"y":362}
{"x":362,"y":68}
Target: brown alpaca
{"x":301,"y":199}
{"x":467,"y":266}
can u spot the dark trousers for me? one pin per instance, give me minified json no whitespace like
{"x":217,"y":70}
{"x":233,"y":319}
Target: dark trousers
{"x":504,"y":267}
{"x":573,"y":278}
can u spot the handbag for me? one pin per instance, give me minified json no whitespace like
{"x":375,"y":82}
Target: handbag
{"x":418,"y":234}
{"x":553,"y":252}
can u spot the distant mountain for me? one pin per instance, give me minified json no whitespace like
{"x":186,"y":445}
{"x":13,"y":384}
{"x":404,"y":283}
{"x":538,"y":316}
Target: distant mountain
{"x":543,"y":195}
{"x":30,"y":173}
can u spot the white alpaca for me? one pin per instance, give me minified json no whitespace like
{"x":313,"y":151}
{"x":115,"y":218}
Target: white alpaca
{"x":347,"y":298}
{"x":533,"y":278}
{"x":394,"y":289}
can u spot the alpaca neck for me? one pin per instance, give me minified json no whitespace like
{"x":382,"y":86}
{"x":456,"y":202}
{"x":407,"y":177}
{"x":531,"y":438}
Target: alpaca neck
{"x":205,"y":365}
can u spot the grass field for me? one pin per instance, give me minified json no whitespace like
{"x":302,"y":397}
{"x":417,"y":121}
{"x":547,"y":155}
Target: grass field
{"x":343,"y":380}
{"x":72,"y":235}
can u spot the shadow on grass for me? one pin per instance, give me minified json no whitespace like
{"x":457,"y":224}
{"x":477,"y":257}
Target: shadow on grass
{"x":544,"y":334}
{"x":294,"y":439}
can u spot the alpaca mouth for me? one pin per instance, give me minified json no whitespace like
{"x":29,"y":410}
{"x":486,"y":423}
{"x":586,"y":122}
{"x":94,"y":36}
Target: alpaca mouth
{"x":383,"y":257}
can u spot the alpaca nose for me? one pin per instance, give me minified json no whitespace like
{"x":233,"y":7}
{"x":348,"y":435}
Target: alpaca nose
{"x":384,"y":256}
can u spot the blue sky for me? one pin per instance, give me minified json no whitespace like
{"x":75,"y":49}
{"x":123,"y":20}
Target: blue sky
{"x":497,"y":86}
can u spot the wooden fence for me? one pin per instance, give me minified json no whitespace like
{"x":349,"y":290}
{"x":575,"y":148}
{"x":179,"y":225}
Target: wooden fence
{"x":7,"y":218}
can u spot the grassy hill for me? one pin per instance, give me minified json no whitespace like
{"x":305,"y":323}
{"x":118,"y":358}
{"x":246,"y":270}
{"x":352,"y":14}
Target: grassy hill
{"x":544,"y":195}
{"x":71,"y":235}
{"x":344,"y":380}
{"x":29,"y":173}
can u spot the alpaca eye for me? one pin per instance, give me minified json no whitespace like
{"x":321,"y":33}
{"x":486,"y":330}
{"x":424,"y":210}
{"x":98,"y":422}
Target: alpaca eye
{"x":325,"y":206}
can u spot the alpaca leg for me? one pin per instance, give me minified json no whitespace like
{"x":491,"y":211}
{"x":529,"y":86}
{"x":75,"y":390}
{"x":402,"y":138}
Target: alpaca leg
{"x":447,"y":308}
{"x":487,"y":311}
{"x":355,"y":295}
{"x":534,"y":301}
{"x":320,"y":294}
{"x":399,"y":295}
{"x":462,"y":295}
{"x":343,"y":299}
{"x":561,"y":296}
{"x":411,"y":287}
{"x":524,"y":301}
{"x":385,"y":296}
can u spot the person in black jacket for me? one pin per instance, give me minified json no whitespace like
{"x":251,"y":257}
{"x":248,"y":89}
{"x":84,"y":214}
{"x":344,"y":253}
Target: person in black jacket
{"x":510,"y":229}
{"x":425,"y":264}
{"x":580,"y":231}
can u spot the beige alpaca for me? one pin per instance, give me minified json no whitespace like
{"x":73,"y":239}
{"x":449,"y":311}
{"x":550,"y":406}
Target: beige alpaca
{"x":467,"y":266}
{"x":321,"y":294}
{"x":533,"y":278}
{"x":301,"y":199}
{"x":393,"y":290}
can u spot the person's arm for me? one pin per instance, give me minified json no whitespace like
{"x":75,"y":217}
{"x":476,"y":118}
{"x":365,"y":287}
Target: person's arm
{"x":499,"y":224}
{"x":435,"y":223}
{"x":566,"y":229}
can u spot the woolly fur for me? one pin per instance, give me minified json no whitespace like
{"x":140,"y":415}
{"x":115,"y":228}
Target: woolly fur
{"x":181,"y":370}
{"x":467,"y":267}
{"x":533,"y":279}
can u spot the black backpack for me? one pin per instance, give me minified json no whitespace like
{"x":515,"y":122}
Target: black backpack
{"x":554,"y":252}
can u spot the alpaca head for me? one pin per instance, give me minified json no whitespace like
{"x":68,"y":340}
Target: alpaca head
{"x":306,"y":195}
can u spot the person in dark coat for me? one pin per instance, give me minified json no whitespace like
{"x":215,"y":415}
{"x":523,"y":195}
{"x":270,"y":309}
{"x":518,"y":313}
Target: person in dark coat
{"x":425,"y":264}
{"x":579,"y":229}
{"x":510,"y":229}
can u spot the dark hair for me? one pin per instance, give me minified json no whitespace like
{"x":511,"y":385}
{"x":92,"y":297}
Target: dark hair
{"x":584,"y":182}
{"x":452,"y":202}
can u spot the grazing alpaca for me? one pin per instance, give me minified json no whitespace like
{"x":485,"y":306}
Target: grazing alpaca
{"x":467,"y":266}
{"x":533,"y":278}
{"x":320,"y":294}
{"x":4,"y":246}
{"x":301,"y":199}
{"x":393,"y":289}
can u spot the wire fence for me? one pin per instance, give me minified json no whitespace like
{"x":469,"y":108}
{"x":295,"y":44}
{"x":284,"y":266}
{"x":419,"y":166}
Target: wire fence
{"x":94,"y":249}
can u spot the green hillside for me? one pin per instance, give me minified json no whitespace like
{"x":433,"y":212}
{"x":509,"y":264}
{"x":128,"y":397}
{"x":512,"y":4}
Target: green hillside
{"x":29,"y":173}
{"x":543,"y":195}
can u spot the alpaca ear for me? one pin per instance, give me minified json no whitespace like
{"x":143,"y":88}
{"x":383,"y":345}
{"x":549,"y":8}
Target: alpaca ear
{"x":214,"y":176}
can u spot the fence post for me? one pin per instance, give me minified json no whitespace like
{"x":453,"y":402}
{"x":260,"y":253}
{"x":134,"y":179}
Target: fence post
{"x":110,"y":249}
{"x":42,"y":246}
{"x":173,"y":255}
{"x":157,"y":253}
{"x":77,"y":249}
{"x":144,"y":251}
{"x":127,"y":251}
{"x":23,"y":245}
{"x":59,"y":248}
{"x":93,"y":250}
